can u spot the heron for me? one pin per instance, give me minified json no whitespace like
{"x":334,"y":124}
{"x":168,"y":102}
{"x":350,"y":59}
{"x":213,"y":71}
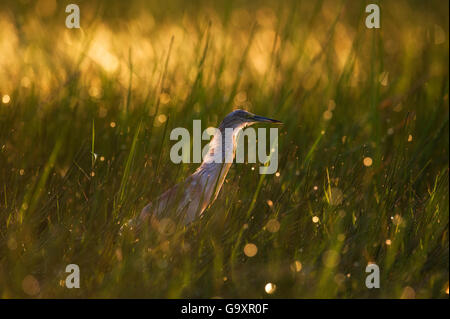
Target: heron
{"x":188,"y":200}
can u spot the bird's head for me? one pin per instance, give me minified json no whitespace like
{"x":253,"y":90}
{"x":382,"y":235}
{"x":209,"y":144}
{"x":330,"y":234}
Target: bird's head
{"x":242,"y":118}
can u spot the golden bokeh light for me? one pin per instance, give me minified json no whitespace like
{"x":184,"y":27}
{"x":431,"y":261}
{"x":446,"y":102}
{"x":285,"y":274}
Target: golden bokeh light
{"x":6,"y":99}
{"x":30,"y":285}
{"x":250,"y":250}
{"x":273,"y":225}
{"x":296,"y":266}
{"x":327,"y":115}
{"x":162,"y":118}
{"x":368,"y":161}
{"x":270,"y":288}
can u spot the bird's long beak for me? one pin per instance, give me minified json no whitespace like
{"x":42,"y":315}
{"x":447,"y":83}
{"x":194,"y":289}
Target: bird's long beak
{"x":263,"y":119}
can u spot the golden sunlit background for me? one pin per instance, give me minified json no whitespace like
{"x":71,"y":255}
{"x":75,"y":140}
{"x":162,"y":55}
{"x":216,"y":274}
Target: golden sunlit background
{"x":85,"y":116}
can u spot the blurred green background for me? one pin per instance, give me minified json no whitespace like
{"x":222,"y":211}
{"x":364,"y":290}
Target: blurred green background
{"x":363,"y":165}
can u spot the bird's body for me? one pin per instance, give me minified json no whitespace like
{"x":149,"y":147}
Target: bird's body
{"x":189,"y":199}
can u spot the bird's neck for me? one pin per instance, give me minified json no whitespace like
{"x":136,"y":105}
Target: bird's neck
{"x":222,"y":147}
{"x":220,"y":156}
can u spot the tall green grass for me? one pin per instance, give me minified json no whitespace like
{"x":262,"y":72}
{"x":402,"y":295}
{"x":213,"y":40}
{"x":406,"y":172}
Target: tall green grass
{"x":84,"y":148}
